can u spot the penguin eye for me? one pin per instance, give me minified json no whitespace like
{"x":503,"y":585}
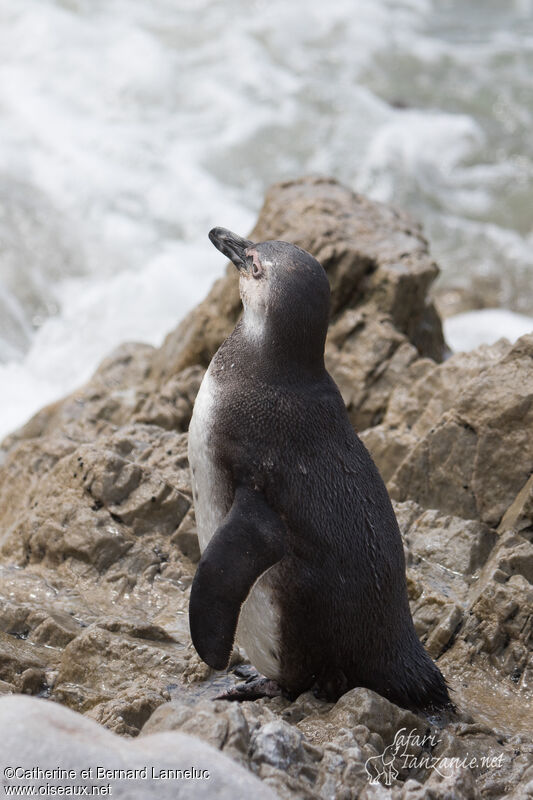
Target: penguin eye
{"x":257,"y":270}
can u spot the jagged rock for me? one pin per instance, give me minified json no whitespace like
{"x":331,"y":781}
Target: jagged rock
{"x":499,"y":627}
{"x":93,"y":503}
{"x":455,"y":544}
{"x":313,"y":749}
{"x":367,"y":357}
{"x":220,"y":724}
{"x":18,"y":657}
{"x":454,"y":447}
{"x":106,"y":664}
{"x":519,"y":514}
{"x":417,"y":402}
{"x":93,"y":536}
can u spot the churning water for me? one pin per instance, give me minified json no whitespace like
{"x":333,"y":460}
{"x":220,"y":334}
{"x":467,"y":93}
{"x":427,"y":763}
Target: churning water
{"x":129,"y":128}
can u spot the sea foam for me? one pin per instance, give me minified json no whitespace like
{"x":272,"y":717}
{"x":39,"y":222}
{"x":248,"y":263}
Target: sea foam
{"x":129,"y":129}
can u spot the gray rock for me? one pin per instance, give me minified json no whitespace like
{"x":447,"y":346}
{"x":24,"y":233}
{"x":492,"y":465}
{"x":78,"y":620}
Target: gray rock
{"x":40,"y":735}
{"x":277,"y":743}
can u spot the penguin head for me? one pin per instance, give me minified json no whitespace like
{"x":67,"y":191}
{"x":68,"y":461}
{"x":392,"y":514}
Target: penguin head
{"x":284,"y":290}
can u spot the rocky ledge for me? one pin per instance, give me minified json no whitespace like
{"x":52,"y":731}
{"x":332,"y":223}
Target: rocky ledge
{"x":98,"y":545}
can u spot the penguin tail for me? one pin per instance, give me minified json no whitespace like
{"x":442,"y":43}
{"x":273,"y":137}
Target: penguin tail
{"x":430,"y":693}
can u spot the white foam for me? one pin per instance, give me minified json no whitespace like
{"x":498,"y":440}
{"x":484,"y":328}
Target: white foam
{"x":426,"y":149}
{"x":134,"y":127}
{"x":97,"y":315}
{"x":473,"y":328}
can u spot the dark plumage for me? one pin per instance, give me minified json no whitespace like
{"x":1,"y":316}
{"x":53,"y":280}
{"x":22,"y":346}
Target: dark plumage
{"x":281,"y":440}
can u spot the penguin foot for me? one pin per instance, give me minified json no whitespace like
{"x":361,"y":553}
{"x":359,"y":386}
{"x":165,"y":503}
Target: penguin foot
{"x":253,"y":688}
{"x":246,"y":671}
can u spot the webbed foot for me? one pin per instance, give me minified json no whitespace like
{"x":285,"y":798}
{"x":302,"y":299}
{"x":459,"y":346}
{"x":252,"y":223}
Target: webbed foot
{"x":255,"y":687}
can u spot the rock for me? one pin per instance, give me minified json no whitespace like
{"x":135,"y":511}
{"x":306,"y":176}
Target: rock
{"x":99,"y":510}
{"x":38,"y":735}
{"x":520,"y":513}
{"x":481,"y":292}
{"x":416,"y":404}
{"x":313,"y":749}
{"x":454,"y":543}
{"x":220,"y":724}
{"x":104,"y":665}
{"x":20,"y":658}
{"x":367,"y":357}
{"x":277,"y":743}
{"x":171,"y":406}
{"x":499,"y":628}
{"x":105,"y":490}
{"x":449,"y":441}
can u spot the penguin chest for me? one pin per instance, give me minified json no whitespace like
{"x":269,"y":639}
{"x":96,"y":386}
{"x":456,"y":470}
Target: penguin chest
{"x":258,"y":630}
{"x":210,"y":489}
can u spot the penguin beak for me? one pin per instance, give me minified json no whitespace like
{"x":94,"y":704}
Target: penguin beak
{"x":234,"y":247}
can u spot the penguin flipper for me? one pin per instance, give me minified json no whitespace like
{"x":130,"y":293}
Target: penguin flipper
{"x":249,"y":541}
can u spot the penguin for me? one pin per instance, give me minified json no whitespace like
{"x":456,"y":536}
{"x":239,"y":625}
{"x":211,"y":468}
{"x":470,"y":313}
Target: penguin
{"x":302,"y":560}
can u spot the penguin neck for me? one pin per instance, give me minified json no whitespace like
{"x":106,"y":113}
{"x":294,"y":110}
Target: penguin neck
{"x":279,"y":352}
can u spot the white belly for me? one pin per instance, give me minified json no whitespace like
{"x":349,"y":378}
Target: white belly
{"x":208,"y":480}
{"x":258,"y":630}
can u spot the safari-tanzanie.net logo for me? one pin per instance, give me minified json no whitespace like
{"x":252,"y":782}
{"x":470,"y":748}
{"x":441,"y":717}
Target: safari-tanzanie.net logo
{"x":411,"y":750}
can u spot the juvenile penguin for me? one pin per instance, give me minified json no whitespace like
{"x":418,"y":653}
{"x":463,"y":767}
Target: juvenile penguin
{"x":302,"y":560}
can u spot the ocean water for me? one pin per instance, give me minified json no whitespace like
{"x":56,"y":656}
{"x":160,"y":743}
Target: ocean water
{"x":129,"y":128}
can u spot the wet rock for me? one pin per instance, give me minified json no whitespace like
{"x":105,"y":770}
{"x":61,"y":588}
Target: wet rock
{"x":186,"y":538}
{"x":101,"y":665}
{"x":460,"y":785}
{"x":40,"y":734}
{"x":97,"y":571}
{"x":56,"y":630}
{"x":500,"y":623}
{"x":18,"y":656}
{"x":363,"y":738}
{"x":31,"y":681}
{"x":364,"y":708}
{"x":126,"y":713}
